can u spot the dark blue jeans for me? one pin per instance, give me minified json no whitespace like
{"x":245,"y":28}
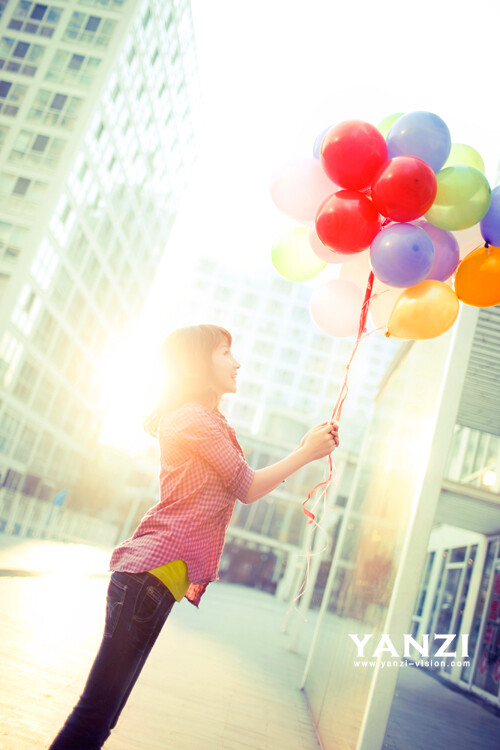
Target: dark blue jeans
{"x":137,"y":606}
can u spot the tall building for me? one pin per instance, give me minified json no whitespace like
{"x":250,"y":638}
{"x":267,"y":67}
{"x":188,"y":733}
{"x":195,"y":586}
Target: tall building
{"x":97,"y":137}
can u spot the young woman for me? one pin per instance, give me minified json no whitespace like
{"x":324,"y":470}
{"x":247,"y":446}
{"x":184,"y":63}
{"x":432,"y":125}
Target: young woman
{"x":176,"y":549}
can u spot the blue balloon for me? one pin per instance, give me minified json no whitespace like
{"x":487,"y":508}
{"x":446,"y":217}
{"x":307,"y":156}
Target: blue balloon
{"x":402,"y":255}
{"x":319,"y":141}
{"x":490,"y":224}
{"x":421,"y":134}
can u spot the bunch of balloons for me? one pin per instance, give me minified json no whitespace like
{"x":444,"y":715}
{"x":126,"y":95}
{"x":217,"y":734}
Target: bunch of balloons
{"x":400,"y":201}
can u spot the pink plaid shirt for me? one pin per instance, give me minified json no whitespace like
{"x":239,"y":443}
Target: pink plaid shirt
{"x":202,"y":473}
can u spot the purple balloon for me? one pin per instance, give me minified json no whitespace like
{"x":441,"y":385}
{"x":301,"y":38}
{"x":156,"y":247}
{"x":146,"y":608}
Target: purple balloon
{"x":319,"y":141}
{"x":446,"y":248}
{"x":402,"y":255}
{"x":421,"y":134}
{"x":490,"y":224}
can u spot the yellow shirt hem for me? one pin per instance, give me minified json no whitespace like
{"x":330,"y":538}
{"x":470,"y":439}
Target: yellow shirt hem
{"x":174,"y":575}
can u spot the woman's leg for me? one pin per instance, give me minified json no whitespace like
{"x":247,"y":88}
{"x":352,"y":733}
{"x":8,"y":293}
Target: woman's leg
{"x":137,"y":607}
{"x":149,"y":645}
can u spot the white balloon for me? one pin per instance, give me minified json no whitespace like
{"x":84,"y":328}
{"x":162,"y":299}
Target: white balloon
{"x":336,"y":307}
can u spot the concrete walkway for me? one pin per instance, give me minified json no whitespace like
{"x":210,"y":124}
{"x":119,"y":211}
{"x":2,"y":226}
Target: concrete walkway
{"x":219,"y":678}
{"x":428,"y":715}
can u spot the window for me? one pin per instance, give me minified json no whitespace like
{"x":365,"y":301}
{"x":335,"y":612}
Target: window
{"x":12,"y":238}
{"x":71,"y":68}
{"x":35,"y":18}
{"x":4,"y":130}
{"x":21,"y":186}
{"x":9,"y":425}
{"x":105,"y":232}
{"x":111,"y":4}
{"x":63,"y":220}
{"x":103,"y":291}
{"x":92,"y":30}
{"x":26,"y":310}
{"x":45,"y":330}
{"x":74,"y":365}
{"x":91,"y":271}
{"x":62,"y":288}
{"x":76,"y":309}
{"x":10,"y":353}
{"x":41,"y":456}
{"x":90,"y":329}
{"x":263,"y":348}
{"x":56,"y":109}
{"x":62,"y":350}
{"x":25,"y":444}
{"x":11,"y":97}
{"x":44,"y":265}
{"x":59,"y":407}
{"x":20,"y":57}
{"x":77,"y":248}
{"x":35,"y":149}
{"x":43,"y":395}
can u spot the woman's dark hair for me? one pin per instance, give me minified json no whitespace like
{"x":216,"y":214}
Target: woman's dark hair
{"x":186,"y":356}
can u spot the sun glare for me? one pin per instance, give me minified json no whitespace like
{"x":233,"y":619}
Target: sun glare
{"x":130,"y":380}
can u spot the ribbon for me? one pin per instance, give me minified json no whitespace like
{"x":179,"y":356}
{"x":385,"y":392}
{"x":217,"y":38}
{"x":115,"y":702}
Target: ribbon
{"x":336,"y":414}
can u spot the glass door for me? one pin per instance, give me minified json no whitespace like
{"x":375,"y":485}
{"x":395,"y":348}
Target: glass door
{"x":487,"y":672}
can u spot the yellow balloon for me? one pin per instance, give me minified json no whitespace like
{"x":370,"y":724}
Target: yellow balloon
{"x":424,"y":311}
{"x":294,"y":258}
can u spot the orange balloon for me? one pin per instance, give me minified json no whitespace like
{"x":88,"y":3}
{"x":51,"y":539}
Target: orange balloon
{"x":423,"y":311}
{"x":477,"y":281}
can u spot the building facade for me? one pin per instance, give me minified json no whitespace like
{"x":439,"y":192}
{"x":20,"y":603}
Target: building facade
{"x":97,"y":139}
{"x":418,"y":552}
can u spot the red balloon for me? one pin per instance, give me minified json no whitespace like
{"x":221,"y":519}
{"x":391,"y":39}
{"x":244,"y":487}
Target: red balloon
{"x":352,"y":153}
{"x":404,"y":188}
{"x":347,"y":222}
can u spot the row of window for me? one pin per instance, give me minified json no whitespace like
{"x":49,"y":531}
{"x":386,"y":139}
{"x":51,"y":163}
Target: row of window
{"x":38,"y":449}
{"x":19,"y":56}
{"x":48,"y":107}
{"x":65,"y":67}
{"x":42,"y":20}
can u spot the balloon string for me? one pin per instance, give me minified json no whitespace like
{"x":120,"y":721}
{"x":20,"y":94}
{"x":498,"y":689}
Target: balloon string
{"x":331,"y":469}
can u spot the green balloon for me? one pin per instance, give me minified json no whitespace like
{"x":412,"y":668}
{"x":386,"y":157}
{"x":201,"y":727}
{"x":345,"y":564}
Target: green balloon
{"x":386,"y":124}
{"x":294,"y":258}
{"x":462,"y":155}
{"x":463,"y":198}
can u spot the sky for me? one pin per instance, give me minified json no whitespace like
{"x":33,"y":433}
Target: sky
{"x":273,"y":74}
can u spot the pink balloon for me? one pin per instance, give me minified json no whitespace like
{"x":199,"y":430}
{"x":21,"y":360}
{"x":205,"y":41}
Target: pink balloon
{"x":468,"y":239}
{"x":358,"y":270}
{"x":325,"y":253}
{"x":299,"y":187}
{"x":446,"y":251}
{"x":336,"y":307}
{"x":382,"y":304}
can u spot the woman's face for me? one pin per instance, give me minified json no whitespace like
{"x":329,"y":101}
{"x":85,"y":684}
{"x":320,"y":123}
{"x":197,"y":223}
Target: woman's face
{"x":224,"y":369}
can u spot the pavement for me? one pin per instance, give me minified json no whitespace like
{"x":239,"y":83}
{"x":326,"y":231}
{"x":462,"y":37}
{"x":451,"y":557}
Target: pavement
{"x":219,"y":678}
